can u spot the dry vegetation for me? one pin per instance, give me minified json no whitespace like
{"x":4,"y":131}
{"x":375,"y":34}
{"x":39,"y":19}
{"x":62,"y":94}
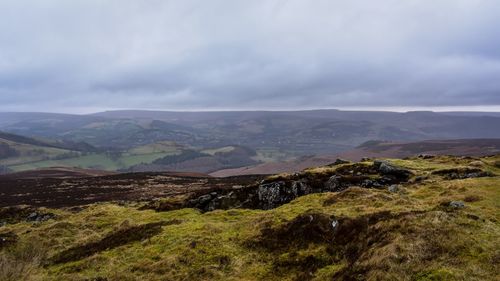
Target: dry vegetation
{"x":411,"y":234}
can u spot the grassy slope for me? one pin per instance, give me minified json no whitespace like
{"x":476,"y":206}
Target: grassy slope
{"x":30,"y":153}
{"x":135,"y":156}
{"x":423,"y":241}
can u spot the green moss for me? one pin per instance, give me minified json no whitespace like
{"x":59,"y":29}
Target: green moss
{"x":416,"y":240}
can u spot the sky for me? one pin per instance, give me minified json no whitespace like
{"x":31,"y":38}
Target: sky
{"x":91,"y":55}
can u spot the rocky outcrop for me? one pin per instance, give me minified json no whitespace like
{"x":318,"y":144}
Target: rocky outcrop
{"x":40,"y":217}
{"x":274,"y":193}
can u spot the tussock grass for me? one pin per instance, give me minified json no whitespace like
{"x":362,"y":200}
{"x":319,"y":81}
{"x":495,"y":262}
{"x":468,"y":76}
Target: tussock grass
{"x":407,"y":235}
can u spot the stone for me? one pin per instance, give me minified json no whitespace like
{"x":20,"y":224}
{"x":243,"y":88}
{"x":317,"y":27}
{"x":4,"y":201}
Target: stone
{"x":301,"y":187}
{"x":335,"y":223}
{"x":204,"y":199}
{"x":273,"y":194}
{"x":228,"y":201}
{"x":393,"y":188}
{"x":457,"y":204}
{"x":340,"y":161}
{"x":425,"y":156}
{"x":386,"y":168}
{"x":39,"y":217}
{"x":333,"y":183}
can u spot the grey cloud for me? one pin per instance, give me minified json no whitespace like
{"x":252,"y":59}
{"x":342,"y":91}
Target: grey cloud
{"x":60,"y":55}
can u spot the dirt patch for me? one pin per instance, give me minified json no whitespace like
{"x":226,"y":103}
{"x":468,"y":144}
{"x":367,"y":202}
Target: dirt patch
{"x":113,"y":240}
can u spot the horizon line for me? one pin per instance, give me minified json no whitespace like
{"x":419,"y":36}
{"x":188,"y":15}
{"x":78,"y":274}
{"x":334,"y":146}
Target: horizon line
{"x":395,"y":109}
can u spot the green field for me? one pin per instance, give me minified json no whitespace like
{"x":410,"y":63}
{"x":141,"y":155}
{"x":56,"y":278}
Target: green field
{"x":103,"y":161}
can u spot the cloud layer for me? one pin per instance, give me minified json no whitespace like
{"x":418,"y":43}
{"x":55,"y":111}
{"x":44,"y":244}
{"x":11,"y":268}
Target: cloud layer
{"x":189,"y":55}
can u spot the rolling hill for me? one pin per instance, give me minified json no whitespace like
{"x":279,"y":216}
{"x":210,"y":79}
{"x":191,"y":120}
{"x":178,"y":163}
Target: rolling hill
{"x":286,"y":133}
{"x":375,"y":149}
{"x":278,"y":140}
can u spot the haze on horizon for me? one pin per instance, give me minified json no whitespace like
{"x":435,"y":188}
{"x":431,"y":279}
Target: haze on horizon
{"x":87,"y":56}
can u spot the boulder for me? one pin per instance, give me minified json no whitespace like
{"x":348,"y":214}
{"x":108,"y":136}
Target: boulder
{"x":202,"y":200}
{"x":274,"y":194}
{"x":301,"y":187}
{"x":333,"y":184}
{"x":387,"y":168}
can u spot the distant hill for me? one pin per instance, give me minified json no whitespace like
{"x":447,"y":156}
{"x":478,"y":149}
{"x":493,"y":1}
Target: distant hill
{"x":463,"y":147}
{"x":288,"y":133}
{"x":376,"y":149}
{"x":68,"y":145}
{"x":15,"y":149}
{"x":20,"y":153}
{"x":108,"y":140}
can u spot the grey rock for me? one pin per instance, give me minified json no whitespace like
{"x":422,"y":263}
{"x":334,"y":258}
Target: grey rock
{"x":32,"y":217}
{"x":204,"y":199}
{"x":274,"y":194}
{"x":39,"y":217}
{"x":393,"y":188}
{"x":389,"y":169}
{"x":335,"y":223}
{"x":340,"y":161}
{"x":301,"y":187}
{"x":457,"y":204}
{"x":228,"y":201}
{"x":333,"y":183}
{"x":377,"y":163}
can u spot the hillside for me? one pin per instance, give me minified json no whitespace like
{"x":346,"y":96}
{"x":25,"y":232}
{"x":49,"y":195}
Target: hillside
{"x":16,"y":150}
{"x":279,"y":135}
{"x":427,"y":218}
{"x":19,"y":153}
{"x":374,"y":149}
{"x":465,"y":147}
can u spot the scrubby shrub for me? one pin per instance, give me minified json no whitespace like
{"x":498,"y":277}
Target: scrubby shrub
{"x":21,"y":260}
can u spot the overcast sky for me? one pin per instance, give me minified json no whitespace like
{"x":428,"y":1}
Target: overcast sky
{"x":86,"y":55}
